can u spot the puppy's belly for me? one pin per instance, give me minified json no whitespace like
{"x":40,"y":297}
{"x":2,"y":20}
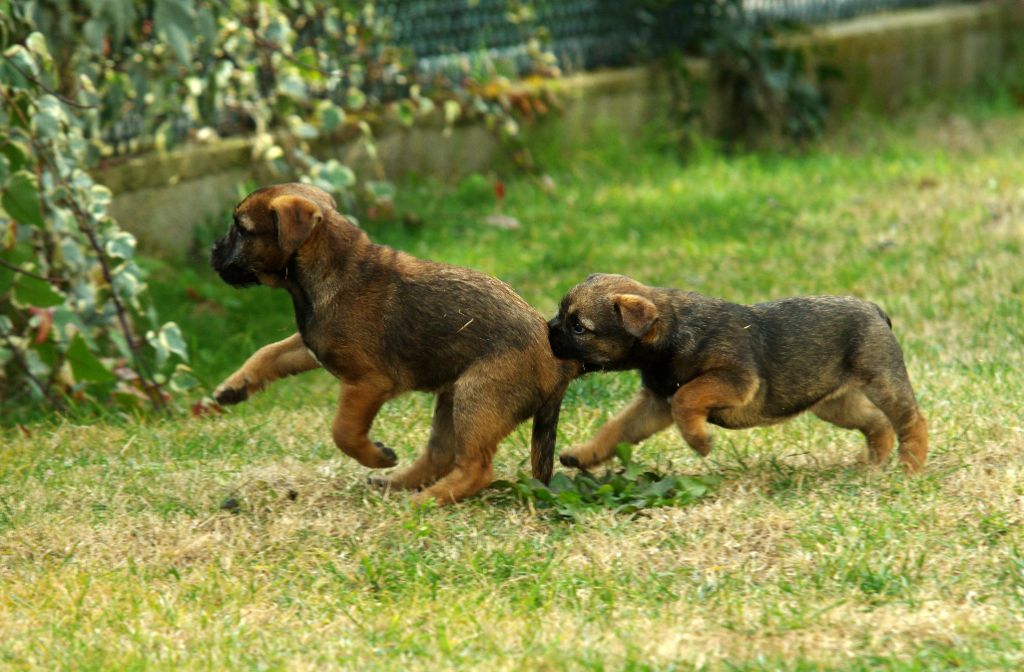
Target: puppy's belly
{"x":743,"y":417}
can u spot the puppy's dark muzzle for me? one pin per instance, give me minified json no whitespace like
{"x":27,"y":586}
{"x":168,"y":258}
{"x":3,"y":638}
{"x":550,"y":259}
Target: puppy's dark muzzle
{"x":560,"y":344}
{"x":224,"y":260}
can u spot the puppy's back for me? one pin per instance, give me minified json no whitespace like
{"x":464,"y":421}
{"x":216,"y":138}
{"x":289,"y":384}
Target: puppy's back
{"x":810,"y":346}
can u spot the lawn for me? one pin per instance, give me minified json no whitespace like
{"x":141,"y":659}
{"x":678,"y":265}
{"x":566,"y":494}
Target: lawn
{"x":117,"y":550}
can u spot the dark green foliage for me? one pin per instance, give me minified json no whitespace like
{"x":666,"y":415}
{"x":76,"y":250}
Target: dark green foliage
{"x":629,"y":489}
{"x":763,"y":84}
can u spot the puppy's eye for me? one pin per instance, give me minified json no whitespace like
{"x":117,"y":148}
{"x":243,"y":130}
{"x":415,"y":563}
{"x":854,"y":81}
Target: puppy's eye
{"x":576,"y":326}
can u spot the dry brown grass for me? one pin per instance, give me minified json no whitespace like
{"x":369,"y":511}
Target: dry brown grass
{"x":116,"y":551}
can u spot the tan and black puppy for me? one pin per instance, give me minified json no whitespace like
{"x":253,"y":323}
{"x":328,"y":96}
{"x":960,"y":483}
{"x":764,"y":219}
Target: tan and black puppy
{"x":385,"y":323}
{"x":705,"y":360}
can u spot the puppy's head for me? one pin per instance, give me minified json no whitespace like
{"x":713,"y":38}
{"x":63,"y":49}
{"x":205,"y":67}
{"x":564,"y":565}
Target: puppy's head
{"x":601,"y":320}
{"x":267,"y":229}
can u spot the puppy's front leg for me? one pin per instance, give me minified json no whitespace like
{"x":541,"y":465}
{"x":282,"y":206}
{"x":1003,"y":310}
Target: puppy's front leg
{"x":277,"y":360}
{"x":646,"y":414}
{"x":719,"y":389}
{"x":357,"y":408}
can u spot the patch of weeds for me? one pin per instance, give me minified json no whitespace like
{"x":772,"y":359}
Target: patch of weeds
{"x":628,"y":490}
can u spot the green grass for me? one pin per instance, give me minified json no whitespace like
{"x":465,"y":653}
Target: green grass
{"x":116,"y":551}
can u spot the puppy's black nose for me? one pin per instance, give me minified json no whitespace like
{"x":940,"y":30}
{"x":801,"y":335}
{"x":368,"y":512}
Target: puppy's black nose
{"x":218,"y":254}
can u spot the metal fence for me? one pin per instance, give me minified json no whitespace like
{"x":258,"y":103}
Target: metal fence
{"x":447,"y":38}
{"x":582,"y":33}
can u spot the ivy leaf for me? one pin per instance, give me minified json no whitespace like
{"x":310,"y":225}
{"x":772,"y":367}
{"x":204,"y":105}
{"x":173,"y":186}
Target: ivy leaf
{"x":331,"y":116}
{"x":17,"y":153}
{"x":22,"y":59}
{"x":175,"y":23}
{"x":85,"y":365}
{"x":166,"y":342}
{"x":381,"y":191}
{"x":121,"y":244}
{"x":21,"y":198}
{"x":36,"y":44}
{"x":49,"y":118}
{"x":29,"y":291}
{"x":339,"y":176}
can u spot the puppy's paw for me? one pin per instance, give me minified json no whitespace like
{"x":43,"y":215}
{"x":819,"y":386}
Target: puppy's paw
{"x":580,"y":457}
{"x":569,"y":460}
{"x":234,"y":390}
{"x":226,"y":396}
{"x":701,"y":445}
{"x":385,"y":456}
{"x":382,"y":483}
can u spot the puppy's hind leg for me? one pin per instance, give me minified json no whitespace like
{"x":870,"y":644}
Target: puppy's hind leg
{"x":893,"y":394}
{"x":482,"y":417}
{"x":647,"y":414}
{"x":853,"y":410}
{"x":436,"y":460}
{"x":277,"y":360}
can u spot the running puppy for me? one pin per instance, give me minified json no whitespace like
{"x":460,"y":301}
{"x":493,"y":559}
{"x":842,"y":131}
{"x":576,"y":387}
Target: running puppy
{"x":706,"y":360}
{"x":385,"y":323}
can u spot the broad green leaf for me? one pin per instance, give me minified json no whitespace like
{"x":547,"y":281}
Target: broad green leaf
{"x":331,"y":117}
{"x":21,"y":198}
{"x":36,"y":44}
{"x":29,"y":291}
{"x":50,"y":118}
{"x":17,"y":153}
{"x":15,"y":256}
{"x":175,"y":23}
{"x":6,"y":278}
{"x":23,"y":61}
{"x":85,"y":365}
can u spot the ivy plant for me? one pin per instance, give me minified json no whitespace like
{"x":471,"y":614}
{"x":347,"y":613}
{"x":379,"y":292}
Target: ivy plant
{"x":75,"y":323}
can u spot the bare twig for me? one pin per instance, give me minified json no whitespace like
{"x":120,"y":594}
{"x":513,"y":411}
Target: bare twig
{"x":62,"y":98}
{"x":18,"y":269}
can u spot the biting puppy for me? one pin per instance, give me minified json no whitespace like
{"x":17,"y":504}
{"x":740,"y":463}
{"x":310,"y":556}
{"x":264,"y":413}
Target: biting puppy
{"x":736,"y":366}
{"x":385,"y":323}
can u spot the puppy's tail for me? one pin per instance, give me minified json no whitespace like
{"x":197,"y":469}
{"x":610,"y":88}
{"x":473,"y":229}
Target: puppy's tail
{"x":545,"y":430}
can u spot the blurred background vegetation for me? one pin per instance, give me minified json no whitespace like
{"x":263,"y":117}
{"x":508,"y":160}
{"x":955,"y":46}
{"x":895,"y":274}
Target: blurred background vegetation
{"x":87,"y":83}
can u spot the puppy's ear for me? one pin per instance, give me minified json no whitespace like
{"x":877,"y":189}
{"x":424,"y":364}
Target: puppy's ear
{"x":295,"y":217}
{"x":637,"y":313}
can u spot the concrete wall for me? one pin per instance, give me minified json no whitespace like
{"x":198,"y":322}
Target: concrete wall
{"x":884,"y":60}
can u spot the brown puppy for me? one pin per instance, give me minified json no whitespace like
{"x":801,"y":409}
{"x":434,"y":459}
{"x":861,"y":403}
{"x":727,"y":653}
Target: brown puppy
{"x":385,"y":323}
{"x":705,"y":360}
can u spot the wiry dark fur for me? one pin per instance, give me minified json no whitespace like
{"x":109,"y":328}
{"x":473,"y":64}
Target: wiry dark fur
{"x":385,"y":323}
{"x":736,"y":366}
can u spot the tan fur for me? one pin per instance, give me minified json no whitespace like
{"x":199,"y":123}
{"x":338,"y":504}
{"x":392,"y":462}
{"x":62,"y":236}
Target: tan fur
{"x":384,"y":323}
{"x":706,"y":360}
